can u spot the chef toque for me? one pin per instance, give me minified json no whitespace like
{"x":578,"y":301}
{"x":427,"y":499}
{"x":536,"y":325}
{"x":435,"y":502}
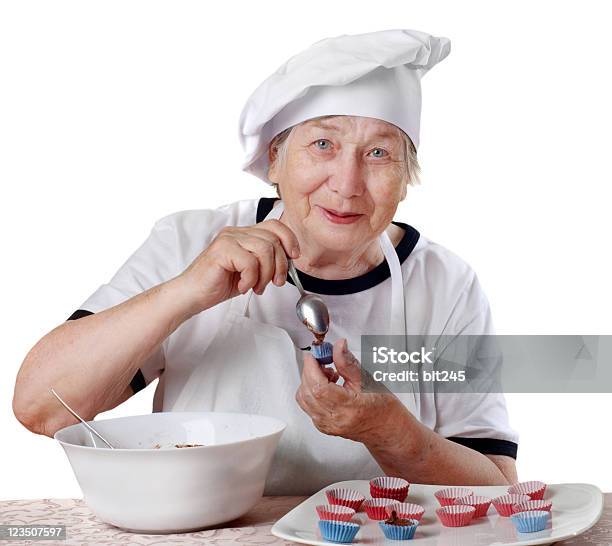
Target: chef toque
{"x":375,"y":75}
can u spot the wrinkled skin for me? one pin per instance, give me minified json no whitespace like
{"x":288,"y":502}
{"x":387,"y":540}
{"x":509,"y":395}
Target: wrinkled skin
{"x":341,"y":410}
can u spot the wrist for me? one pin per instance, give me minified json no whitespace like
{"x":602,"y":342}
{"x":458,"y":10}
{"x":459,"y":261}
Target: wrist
{"x":398,"y":430}
{"x":181,"y":298}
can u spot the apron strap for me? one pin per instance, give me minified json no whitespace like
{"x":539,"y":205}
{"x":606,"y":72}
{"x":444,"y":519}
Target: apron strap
{"x":397,"y":320}
{"x":398,"y":324}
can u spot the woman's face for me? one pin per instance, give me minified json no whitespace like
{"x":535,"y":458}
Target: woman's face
{"x":342,"y":179}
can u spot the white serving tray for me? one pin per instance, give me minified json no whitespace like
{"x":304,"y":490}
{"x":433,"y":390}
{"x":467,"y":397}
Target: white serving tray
{"x":576,"y":508}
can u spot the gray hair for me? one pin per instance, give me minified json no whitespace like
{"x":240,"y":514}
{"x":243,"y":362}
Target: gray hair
{"x":410,"y":164}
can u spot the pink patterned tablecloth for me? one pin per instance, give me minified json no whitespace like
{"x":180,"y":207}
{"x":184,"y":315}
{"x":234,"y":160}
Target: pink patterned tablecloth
{"x":82,"y":527}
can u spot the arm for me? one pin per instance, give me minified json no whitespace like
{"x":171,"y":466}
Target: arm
{"x":91,"y":361}
{"x":404,"y":447}
{"x":401,"y":445}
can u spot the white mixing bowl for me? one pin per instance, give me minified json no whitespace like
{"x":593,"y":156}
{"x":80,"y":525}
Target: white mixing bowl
{"x":143,"y":489}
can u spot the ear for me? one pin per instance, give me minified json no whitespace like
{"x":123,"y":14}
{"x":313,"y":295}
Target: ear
{"x":272,"y":170}
{"x":272,"y":152}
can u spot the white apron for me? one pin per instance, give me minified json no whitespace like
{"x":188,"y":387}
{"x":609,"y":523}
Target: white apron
{"x":252,"y":367}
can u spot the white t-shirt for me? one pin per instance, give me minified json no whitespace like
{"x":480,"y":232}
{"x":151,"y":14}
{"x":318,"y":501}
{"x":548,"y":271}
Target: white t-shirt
{"x":442,"y":293}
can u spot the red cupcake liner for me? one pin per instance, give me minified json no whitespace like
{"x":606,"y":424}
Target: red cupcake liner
{"x":530,"y":505}
{"x":345,"y":497}
{"x":505,"y":504}
{"x":534,"y":489}
{"x":480,"y":503}
{"x":335,"y":512}
{"x":388,"y":487}
{"x":455,"y":515}
{"x":397,"y":497}
{"x":376,"y":508}
{"x":406,"y":510}
{"x":446,"y":497}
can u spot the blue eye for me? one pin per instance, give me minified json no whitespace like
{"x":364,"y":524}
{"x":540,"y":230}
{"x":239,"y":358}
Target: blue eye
{"x":379,"y":152}
{"x":323,"y":144}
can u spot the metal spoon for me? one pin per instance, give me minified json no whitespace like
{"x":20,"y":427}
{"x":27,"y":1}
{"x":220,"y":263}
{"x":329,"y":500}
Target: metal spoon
{"x":310,"y":308}
{"x":81,"y":419}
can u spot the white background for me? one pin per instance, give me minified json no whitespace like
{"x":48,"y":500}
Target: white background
{"x":113,"y":114}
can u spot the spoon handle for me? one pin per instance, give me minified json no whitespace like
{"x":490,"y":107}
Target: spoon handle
{"x":80,"y":419}
{"x":294,"y":276}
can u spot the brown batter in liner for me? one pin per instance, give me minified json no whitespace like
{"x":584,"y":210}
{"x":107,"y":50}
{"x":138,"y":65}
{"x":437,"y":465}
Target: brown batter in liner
{"x":394,"y":520}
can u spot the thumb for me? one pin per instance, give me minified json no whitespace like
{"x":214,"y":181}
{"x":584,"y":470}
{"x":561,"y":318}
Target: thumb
{"x":347,"y":365}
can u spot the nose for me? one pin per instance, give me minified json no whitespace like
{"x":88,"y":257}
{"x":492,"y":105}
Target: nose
{"x":347,"y":176}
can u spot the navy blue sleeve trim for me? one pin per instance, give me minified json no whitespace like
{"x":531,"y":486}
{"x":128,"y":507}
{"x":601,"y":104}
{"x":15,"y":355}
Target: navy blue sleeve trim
{"x":138,"y":381}
{"x":79,"y":313}
{"x":488,"y":446}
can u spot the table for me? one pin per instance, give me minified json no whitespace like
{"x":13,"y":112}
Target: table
{"x":84,"y":528}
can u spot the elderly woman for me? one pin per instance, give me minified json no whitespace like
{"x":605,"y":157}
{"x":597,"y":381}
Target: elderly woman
{"x":205,"y":304}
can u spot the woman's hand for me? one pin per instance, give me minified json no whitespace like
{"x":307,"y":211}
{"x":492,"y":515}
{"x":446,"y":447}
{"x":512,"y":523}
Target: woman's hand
{"x":238,"y":259}
{"x":343,"y":410}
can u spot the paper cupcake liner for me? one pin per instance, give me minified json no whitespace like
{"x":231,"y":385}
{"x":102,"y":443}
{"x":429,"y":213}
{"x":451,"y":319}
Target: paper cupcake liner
{"x":406,"y":510}
{"x":399,"y":532}
{"x":480,"y":503}
{"x":455,"y":515}
{"x":396,"y":496}
{"x":531,"y":521}
{"x":387,"y":487}
{"x":384,"y":494}
{"x":505,"y":504}
{"x":534,"y":489}
{"x":528,"y":506}
{"x":323,"y":352}
{"x":376,"y":508}
{"x":446,"y":497}
{"x":338,"y":531}
{"x":335,"y":512}
{"x":345,"y":497}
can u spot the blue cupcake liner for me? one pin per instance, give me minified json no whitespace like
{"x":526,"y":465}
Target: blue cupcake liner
{"x":323,"y":352}
{"x":338,"y":531}
{"x":531,"y":521}
{"x":399,"y":532}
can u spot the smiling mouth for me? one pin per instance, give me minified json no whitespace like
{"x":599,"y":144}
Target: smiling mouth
{"x":338,"y":217}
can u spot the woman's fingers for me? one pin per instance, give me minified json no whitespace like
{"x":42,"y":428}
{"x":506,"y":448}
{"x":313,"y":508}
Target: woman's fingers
{"x":319,"y":383}
{"x":240,"y":259}
{"x":333,"y":409}
{"x":315,"y":374}
{"x":245,"y":264}
{"x":347,"y":365}
{"x":312,"y":375}
{"x":280,"y":255}
{"x":264,"y":252}
{"x":269,"y":249}
{"x":285,"y":235}
{"x":331,"y":374}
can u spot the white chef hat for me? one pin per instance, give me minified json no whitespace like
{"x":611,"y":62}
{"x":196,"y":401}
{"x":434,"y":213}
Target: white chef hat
{"x":375,"y":75}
